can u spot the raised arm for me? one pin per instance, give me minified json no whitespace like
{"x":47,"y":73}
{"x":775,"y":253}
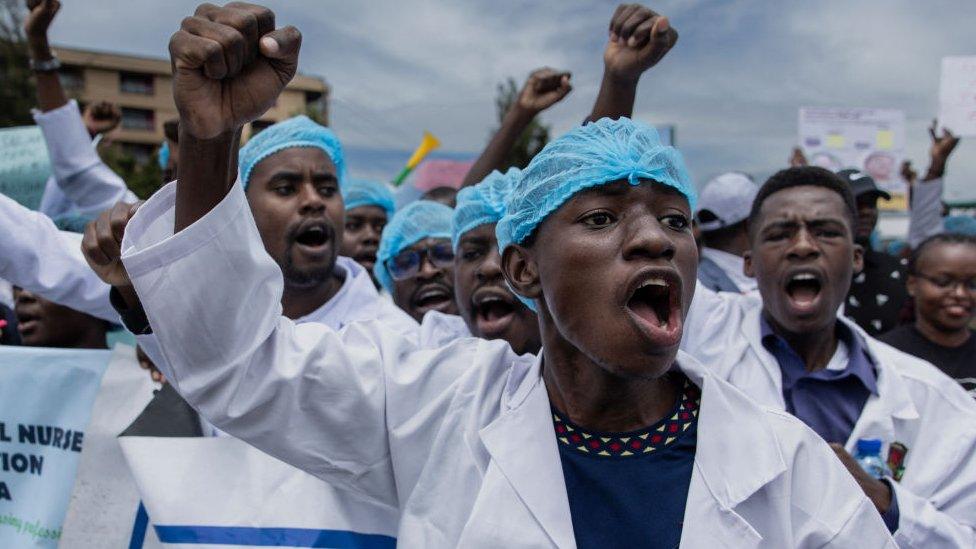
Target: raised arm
{"x":544,"y":88}
{"x":324,"y":401}
{"x":35,"y":255}
{"x":926,"y":196}
{"x":638,"y":39}
{"x":81,"y":181}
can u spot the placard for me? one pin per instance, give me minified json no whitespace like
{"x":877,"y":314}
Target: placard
{"x":870,"y":140}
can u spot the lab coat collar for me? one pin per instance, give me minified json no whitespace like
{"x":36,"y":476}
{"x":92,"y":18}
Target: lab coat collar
{"x":522,"y":443}
{"x":357,"y":289}
{"x":891,"y":402}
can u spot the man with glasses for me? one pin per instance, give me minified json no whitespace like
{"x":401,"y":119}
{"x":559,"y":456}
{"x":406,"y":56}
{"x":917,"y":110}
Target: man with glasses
{"x":942,"y":280}
{"x":415,"y":262}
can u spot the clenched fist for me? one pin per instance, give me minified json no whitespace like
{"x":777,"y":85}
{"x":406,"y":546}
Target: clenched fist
{"x":639,"y":38}
{"x":229,"y":65}
{"x":102,"y":243}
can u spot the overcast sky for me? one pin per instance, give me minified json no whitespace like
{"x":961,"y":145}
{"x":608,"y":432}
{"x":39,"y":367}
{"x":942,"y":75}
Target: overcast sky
{"x":732,"y":85}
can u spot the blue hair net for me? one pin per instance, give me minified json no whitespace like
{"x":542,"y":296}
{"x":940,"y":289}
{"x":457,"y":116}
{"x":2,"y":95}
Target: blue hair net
{"x":483,"y":203}
{"x":362,"y":192}
{"x":299,"y":131}
{"x":164,"y":155}
{"x":589,"y":156}
{"x":415,"y":222}
{"x":962,"y":224}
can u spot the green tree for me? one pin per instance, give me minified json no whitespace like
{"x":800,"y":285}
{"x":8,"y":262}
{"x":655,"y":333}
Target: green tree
{"x":142,"y":178}
{"x":17,"y":94}
{"x":533,"y":138}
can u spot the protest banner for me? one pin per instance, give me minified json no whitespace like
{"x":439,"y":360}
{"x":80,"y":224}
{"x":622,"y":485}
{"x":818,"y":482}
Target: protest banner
{"x":104,"y":506}
{"x":870,"y":140}
{"x":24,"y":165}
{"x":46,"y":398}
{"x":957,"y":95}
{"x":202,"y":492}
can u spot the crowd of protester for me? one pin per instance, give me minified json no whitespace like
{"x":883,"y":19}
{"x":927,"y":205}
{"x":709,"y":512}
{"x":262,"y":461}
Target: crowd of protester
{"x":499,"y":362}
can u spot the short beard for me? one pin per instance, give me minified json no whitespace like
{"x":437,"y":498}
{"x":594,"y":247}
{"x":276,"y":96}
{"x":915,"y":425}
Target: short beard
{"x":305,"y":278}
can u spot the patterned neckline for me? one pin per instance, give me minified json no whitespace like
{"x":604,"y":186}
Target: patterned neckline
{"x":633,"y":443}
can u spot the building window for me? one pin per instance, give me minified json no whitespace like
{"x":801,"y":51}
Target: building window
{"x":136,"y":82}
{"x":72,"y":78}
{"x":138,"y":119}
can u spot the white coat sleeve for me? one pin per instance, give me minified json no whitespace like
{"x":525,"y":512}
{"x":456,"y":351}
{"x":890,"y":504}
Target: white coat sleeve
{"x":713,"y":319}
{"x":323,"y":401}
{"x":90,"y":185}
{"x":37,"y":256}
{"x":925,"y":217}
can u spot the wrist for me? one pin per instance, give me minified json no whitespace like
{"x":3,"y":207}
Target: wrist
{"x":520,"y":115}
{"x":936,"y":170}
{"x":620,"y":79}
{"x":39,"y":49}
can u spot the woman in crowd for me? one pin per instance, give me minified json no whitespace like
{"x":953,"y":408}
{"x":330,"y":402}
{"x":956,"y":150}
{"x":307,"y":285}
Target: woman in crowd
{"x":942,"y":281}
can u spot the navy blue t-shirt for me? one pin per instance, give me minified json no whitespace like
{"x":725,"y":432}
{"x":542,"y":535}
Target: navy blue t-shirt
{"x":629,"y":489}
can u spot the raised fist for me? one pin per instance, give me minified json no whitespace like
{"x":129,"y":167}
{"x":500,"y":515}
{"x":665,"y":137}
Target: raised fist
{"x":101,"y":117}
{"x":102,"y":243}
{"x":639,"y":38}
{"x":229,"y":65}
{"x":544,"y":88}
{"x":41,"y":15}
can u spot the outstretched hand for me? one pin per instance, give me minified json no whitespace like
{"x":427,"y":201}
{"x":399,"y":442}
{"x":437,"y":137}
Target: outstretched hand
{"x":229,"y":66}
{"x":942,"y":147}
{"x":544,"y":88}
{"x":639,"y":38}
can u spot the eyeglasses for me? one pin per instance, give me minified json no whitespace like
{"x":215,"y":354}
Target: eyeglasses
{"x":406,"y":264}
{"x":948,"y":283}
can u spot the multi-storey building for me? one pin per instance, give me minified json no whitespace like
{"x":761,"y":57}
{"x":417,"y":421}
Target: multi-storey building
{"x":142,"y":89}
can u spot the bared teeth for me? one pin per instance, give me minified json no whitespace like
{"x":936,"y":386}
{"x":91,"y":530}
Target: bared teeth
{"x":653,"y":282}
{"x":803,"y":276}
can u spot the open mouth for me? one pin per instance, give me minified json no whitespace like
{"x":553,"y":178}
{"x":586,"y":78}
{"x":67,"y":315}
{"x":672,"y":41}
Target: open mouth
{"x":656,"y":304}
{"x":366,"y":259}
{"x":494,"y":310}
{"x":804,"y":290}
{"x":434,"y":297}
{"x":313,"y":236}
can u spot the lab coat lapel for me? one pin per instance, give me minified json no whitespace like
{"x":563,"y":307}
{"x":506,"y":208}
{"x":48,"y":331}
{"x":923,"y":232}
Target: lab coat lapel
{"x":892,"y":402}
{"x":522,"y":442}
{"x":737,"y":456}
{"x":768,"y":390}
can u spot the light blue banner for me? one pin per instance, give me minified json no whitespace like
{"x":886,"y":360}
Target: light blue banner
{"x":24,"y":164}
{"x":46,"y":398}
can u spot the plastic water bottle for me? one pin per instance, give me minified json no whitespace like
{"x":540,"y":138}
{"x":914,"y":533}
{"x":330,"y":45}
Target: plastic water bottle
{"x":868,"y":456}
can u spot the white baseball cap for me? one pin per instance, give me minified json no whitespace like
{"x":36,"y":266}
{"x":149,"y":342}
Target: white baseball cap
{"x":725,"y":201}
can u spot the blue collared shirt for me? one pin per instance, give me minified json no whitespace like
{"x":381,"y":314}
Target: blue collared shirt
{"x":829,"y":401}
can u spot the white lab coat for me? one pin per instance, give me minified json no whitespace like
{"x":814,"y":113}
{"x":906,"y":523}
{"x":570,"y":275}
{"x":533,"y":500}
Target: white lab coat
{"x":439,"y":329}
{"x":37,"y":256}
{"x":459,"y":438}
{"x":917,"y":405}
{"x":81,"y":184}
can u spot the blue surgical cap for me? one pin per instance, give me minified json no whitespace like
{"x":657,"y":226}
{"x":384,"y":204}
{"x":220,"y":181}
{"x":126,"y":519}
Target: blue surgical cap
{"x":483,"y":203}
{"x":164,"y":155}
{"x":602,"y":152}
{"x":589,"y":156}
{"x":962,"y":224}
{"x":361,"y":192}
{"x":299,"y":131}
{"x":415,"y":222}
